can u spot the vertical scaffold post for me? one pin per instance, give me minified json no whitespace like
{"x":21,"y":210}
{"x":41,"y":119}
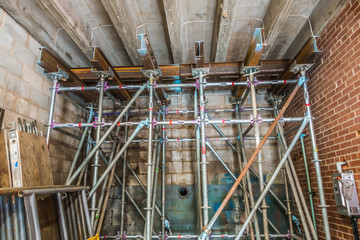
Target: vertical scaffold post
{"x":55,"y":77}
{"x":205,"y":205}
{"x":96,"y":164}
{"x":256,"y":123}
{"x":147,"y":230}
{"x":316,"y":161}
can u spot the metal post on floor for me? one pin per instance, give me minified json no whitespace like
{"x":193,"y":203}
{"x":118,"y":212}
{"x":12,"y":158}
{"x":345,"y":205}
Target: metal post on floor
{"x":32,"y":216}
{"x":205,"y":203}
{"x":241,"y":149}
{"x":55,"y":77}
{"x":147,"y":229}
{"x":163,"y":180}
{"x":308,"y":181}
{"x":207,"y":228}
{"x":294,"y":184}
{"x":63,"y":228}
{"x":272,"y":179}
{"x":103,"y":76}
{"x":256,"y":123}
{"x":316,"y":160}
{"x":123,"y":188}
{"x":102,"y":203}
{"x":198,"y":164}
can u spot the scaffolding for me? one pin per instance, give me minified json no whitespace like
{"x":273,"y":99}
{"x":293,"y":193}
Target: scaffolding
{"x":156,"y":122}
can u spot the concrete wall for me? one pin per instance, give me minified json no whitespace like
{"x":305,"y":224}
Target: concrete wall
{"x":25,"y":94}
{"x":334,"y":89}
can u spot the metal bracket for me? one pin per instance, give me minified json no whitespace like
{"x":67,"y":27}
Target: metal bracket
{"x":59,"y":75}
{"x":103,"y":73}
{"x":246,"y":70}
{"x":197,"y":71}
{"x":296,"y":68}
{"x":151,"y":72}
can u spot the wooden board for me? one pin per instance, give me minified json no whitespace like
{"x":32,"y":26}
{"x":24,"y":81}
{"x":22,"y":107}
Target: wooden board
{"x":4,"y":166}
{"x":35,"y":162}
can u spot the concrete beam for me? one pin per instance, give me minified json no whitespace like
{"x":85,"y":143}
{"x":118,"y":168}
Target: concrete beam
{"x":226,"y":13}
{"x":117,"y":14}
{"x":319,"y":17}
{"x":47,"y":32}
{"x":86,"y":29}
{"x":172,"y":13}
{"x":275,"y":17}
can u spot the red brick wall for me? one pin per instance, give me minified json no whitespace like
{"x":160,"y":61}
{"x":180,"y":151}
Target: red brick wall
{"x":334,"y":89}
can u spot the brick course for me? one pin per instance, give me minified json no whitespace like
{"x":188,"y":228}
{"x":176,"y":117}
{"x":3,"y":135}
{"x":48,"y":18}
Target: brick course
{"x":334,"y":90}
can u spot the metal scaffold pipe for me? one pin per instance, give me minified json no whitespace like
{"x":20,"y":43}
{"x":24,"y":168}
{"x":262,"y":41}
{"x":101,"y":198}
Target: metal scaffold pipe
{"x":147,"y":229}
{"x":96,"y":164}
{"x":174,"y":85}
{"x":272,"y":179}
{"x":208,"y":227}
{"x":198,"y":164}
{"x":51,"y":110}
{"x":106,"y":134}
{"x":308,"y":181}
{"x":259,"y":156}
{"x":205,"y":204}
{"x":178,"y":122}
{"x":316,"y":162}
{"x":123,"y":188}
{"x":241,"y":149}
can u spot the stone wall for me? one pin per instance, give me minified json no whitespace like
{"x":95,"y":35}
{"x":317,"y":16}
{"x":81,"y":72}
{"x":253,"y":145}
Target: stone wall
{"x":25,"y":94}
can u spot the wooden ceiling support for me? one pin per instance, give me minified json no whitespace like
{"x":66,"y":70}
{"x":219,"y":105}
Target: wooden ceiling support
{"x":50,"y":64}
{"x":182,"y":71}
{"x":101,"y":63}
{"x":308,"y":54}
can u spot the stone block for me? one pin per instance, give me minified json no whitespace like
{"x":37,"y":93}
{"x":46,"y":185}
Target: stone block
{"x":21,"y":106}
{"x":34,"y":46}
{"x":42,"y":115}
{"x":10,"y":63}
{"x":33,"y":78}
{"x":18,"y":86}
{"x":2,"y":77}
{"x":188,"y":167}
{"x":38,"y":98}
{"x":183,"y":179}
{"x":24,"y":54}
{"x":6,"y":40}
{"x":175,"y":167}
{"x":15,"y":30}
{"x":10,"y":100}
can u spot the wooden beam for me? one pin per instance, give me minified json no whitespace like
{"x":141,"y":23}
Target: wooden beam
{"x":308,"y":54}
{"x":256,"y":48}
{"x":275,"y":17}
{"x":50,"y":64}
{"x":183,"y":71}
{"x":100,"y":62}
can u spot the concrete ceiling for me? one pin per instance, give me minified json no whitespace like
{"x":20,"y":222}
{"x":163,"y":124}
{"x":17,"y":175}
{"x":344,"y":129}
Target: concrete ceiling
{"x":70,"y":28}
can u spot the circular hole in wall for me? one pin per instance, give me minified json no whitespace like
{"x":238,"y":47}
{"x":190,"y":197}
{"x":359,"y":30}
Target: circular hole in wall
{"x":183,"y":192}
